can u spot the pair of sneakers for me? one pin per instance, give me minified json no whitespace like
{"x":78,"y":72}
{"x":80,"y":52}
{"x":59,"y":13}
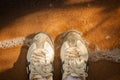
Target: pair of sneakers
{"x":74,"y":56}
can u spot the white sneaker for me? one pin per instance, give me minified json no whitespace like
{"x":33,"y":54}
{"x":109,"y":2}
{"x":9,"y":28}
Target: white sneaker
{"x":40,"y":57}
{"x":74,"y":56}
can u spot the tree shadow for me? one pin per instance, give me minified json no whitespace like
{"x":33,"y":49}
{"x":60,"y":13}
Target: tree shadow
{"x":109,"y":5}
{"x":18,"y":72}
{"x":57,"y":61}
{"x":104,"y":70}
{"x":10,"y":10}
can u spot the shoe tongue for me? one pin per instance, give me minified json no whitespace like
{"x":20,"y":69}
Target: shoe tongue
{"x":39,"y":44}
{"x":72,"y":42}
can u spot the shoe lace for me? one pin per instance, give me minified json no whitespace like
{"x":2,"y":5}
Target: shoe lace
{"x":74,"y":65}
{"x":40,"y":66}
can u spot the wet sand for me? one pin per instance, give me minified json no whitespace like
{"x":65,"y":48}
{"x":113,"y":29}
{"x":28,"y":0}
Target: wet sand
{"x":97,"y":20}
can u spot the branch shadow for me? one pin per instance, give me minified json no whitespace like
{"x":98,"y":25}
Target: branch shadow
{"x":97,"y":26}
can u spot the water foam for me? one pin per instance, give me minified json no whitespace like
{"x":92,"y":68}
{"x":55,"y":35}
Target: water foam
{"x":19,"y":41}
{"x":110,"y":55}
{"x":94,"y":56}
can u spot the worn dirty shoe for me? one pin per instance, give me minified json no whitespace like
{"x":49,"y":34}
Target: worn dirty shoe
{"x":74,"y":56}
{"x":40,"y":58}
